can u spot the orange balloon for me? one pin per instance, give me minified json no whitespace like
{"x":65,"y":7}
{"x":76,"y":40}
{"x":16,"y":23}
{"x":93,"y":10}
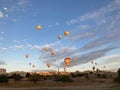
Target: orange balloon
{"x":66,"y":33}
{"x":67,"y":61}
{"x":26,"y":55}
{"x":47,"y":49}
{"x":39,"y":27}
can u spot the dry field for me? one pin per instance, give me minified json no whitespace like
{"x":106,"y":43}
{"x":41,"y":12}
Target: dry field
{"x":78,"y":84}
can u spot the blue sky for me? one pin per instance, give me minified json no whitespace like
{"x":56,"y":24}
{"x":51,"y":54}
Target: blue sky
{"x":93,"y":26}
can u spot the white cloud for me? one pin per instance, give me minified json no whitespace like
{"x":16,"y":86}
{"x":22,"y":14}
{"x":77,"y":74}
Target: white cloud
{"x":16,"y":41}
{"x":3,"y":49}
{"x":111,"y":58}
{"x":36,"y":47}
{"x":54,"y":25}
{"x":2,"y":32}
{"x":19,"y":47}
{"x":5,"y":8}
{"x":97,"y":15}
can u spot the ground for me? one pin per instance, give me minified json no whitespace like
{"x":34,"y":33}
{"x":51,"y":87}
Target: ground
{"x":77,"y":84}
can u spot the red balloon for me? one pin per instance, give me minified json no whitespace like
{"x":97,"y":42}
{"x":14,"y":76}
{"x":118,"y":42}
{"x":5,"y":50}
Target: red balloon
{"x":67,"y":61}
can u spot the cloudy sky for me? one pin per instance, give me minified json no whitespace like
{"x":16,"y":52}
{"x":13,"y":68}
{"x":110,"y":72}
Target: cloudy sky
{"x":94,"y":39}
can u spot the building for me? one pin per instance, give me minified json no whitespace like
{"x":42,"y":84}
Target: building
{"x":2,"y":71}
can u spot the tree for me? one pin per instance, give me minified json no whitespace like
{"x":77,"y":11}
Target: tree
{"x":117,"y":79}
{"x":63,"y":78}
{"x":17,"y":77}
{"x":3,"y":79}
{"x":35,"y":78}
{"x":27,"y":75}
{"x":118,"y":72}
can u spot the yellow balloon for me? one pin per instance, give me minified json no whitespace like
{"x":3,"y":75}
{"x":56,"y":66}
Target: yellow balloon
{"x":66,"y":33}
{"x":39,"y":27}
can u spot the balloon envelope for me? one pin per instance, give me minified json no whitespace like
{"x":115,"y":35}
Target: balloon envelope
{"x":66,"y":33}
{"x":59,"y":37}
{"x":47,"y":49}
{"x":67,"y":61}
{"x":26,"y":55}
{"x":52,"y":52}
{"x":48,"y":65}
{"x":33,"y":66}
{"x":38,"y":27}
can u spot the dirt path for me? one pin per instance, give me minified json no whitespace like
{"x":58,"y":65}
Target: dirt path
{"x":58,"y":88}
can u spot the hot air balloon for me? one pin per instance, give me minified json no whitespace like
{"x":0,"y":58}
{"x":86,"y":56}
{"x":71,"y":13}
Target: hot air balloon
{"x":104,"y":66}
{"x":95,"y":63}
{"x":47,"y":49}
{"x":93,"y":68}
{"x":92,"y":62}
{"x":48,"y":65}
{"x":52,"y":52}
{"x":59,"y":37}
{"x":26,"y":55}
{"x":33,"y":66}
{"x":38,"y":27}
{"x":29,"y":63}
{"x":66,"y":33}
{"x":67,"y":61}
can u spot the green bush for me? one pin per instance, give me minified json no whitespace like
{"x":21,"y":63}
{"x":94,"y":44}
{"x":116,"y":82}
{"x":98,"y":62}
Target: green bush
{"x":101,"y":76}
{"x":27,"y":75}
{"x":63,"y":78}
{"x":87,"y":76}
{"x":117,"y":79}
{"x":3,"y":79}
{"x":78,"y":74}
{"x":17,"y":77}
{"x":35,"y":78}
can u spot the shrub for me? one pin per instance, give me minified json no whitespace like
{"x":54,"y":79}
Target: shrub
{"x":3,"y":79}
{"x":27,"y":75}
{"x":63,"y":78}
{"x":17,"y":77}
{"x":35,"y":78}
{"x":117,"y":79}
{"x":87,"y":76}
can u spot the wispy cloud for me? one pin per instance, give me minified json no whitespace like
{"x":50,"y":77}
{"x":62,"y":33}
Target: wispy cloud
{"x":111,"y":59}
{"x":102,"y":35}
{"x":54,"y":25}
{"x":85,"y":58}
{"x":19,"y":47}
{"x":105,"y":29}
{"x":3,"y":49}
{"x":114,"y":5}
{"x":12,"y":9}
